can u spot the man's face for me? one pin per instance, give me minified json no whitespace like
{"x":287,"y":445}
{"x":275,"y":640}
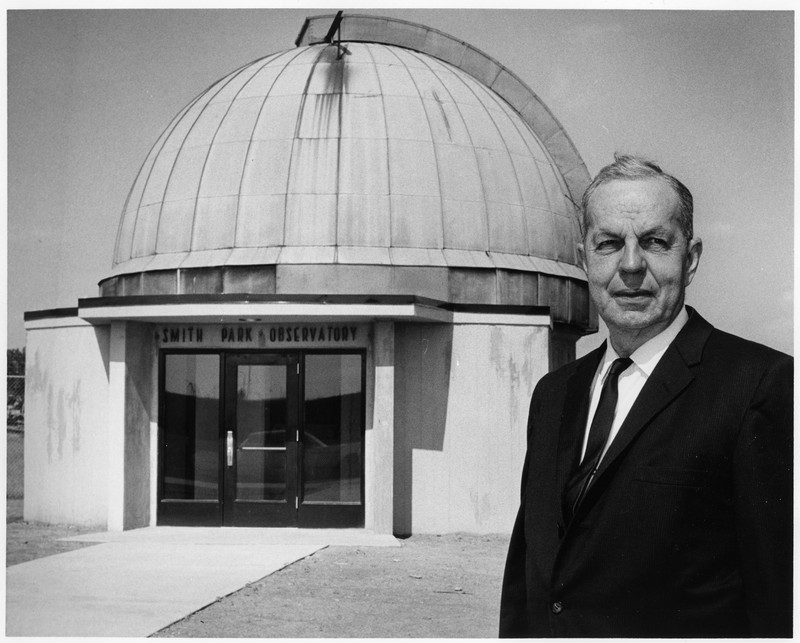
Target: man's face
{"x":636,"y":258}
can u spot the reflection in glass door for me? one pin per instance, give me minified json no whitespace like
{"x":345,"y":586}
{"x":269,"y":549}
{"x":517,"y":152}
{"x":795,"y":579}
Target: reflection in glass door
{"x":332,"y":440}
{"x":261,"y":439}
{"x":189,"y":453}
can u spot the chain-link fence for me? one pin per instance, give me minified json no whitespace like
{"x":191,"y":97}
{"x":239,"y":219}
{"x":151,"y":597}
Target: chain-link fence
{"x":15,"y":425}
{"x":15,"y":406}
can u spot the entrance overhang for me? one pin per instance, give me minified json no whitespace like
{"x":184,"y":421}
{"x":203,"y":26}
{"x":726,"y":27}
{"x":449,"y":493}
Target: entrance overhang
{"x":232,"y":308}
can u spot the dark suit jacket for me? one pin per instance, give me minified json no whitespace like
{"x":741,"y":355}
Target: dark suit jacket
{"x":687,"y":527}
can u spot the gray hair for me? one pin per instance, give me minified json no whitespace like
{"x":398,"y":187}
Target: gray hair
{"x":628,"y":168}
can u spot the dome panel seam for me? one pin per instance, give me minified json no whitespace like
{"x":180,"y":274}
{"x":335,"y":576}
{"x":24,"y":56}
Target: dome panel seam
{"x":162,"y":139}
{"x":231,"y":78}
{"x":474,"y":156}
{"x":253,"y":131}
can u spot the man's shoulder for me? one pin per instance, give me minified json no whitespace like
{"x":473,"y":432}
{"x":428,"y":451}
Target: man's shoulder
{"x":721,"y":339}
{"x":726,"y":348}
{"x":700,"y":340}
{"x":725,"y":356}
{"x":563,"y":373}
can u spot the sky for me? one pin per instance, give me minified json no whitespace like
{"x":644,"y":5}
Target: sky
{"x":709,"y":95}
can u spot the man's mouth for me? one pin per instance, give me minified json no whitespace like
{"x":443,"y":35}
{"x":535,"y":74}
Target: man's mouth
{"x":633,"y":294}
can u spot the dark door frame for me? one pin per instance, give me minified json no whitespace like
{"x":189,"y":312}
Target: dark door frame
{"x":226,"y":510}
{"x":247,"y":512}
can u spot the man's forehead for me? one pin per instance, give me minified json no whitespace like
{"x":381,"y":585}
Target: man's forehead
{"x":634,"y":191}
{"x":639,"y":199}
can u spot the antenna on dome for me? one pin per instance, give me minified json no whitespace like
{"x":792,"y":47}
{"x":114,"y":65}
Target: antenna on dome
{"x":337,"y":22}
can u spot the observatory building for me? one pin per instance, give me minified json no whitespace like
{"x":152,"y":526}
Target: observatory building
{"x":337,"y":278}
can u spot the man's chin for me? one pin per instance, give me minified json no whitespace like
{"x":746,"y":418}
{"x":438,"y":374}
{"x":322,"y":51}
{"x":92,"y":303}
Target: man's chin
{"x":631,"y":319}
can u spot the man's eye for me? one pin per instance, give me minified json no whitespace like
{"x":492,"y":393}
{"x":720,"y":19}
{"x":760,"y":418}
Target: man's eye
{"x":608,"y":245}
{"x":654,"y":243}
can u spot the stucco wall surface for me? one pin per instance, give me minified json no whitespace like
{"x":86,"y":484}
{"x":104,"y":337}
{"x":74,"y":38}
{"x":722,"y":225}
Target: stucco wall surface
{"x":141,"y":385}
{"x":462,"y":395}
{"x":66,"y":393}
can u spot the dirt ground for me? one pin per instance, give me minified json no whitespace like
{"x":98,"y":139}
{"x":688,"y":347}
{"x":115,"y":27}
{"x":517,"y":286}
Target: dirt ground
{"x":28,"y":541}
{"x":429,"y":587}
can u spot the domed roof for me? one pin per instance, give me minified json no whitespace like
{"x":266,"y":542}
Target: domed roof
{"x":354,"y":153}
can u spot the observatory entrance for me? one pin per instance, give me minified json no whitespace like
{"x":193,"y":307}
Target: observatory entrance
{"x":267,"y":439}
{"x":309,"y":244}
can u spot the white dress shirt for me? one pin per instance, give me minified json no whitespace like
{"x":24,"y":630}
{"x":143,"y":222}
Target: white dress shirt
{"x":645,"y":358}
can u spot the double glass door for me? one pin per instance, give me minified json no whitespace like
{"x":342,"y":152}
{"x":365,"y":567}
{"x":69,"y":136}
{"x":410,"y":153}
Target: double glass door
{"x":262,"y":439}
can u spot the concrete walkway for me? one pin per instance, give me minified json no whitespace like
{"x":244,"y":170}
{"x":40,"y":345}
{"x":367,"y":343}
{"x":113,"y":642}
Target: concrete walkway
{"x":135,"y":583}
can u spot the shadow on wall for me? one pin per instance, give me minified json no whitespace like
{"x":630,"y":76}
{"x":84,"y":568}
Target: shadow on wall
{"x":423,"y":355}
{"x":101,"y":334}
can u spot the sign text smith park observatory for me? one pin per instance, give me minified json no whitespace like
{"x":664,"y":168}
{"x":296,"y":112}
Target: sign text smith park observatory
{"x":261,"y":336}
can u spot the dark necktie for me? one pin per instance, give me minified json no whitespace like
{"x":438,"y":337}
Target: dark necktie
{"x":598,"y":435}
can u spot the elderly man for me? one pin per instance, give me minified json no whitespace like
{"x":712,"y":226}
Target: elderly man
{"x":657,"y":486}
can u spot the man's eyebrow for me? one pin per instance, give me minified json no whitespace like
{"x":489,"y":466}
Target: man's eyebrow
{"x":607,"y":231}
{"x":659,"y":229}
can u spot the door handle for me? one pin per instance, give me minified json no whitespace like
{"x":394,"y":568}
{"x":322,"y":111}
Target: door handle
{"x":229,"y":448}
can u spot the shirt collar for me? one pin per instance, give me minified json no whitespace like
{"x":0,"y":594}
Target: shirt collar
{"x":648,"y":354}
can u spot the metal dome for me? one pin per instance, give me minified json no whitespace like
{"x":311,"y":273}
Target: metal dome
{"x":368,"y":157}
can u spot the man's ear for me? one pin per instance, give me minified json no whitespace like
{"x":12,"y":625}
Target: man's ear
{"x":693,"y":259}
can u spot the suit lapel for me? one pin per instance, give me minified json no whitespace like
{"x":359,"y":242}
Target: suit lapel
{"x":573,"y":418}
{"x":671,"y":376}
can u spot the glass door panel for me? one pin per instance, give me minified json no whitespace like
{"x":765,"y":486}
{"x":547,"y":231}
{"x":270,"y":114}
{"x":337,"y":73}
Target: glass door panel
{"x":332,"y":438}
{"x":189,"y":423}
{"x":261,"y":405}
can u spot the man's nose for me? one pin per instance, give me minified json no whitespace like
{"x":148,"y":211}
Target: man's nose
{"x":632,"y":258}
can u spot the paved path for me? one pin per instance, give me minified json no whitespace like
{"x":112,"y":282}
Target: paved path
{"x":135,"y":583}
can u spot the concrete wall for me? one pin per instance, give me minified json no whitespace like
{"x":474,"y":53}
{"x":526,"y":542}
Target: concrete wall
{"x":461,"y":404}
{"x":131,"y":425}
{"x":66,"y":412}
{"x":89,"y":423}
{"x":141,"y":388}
{"x":380,"y":430}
